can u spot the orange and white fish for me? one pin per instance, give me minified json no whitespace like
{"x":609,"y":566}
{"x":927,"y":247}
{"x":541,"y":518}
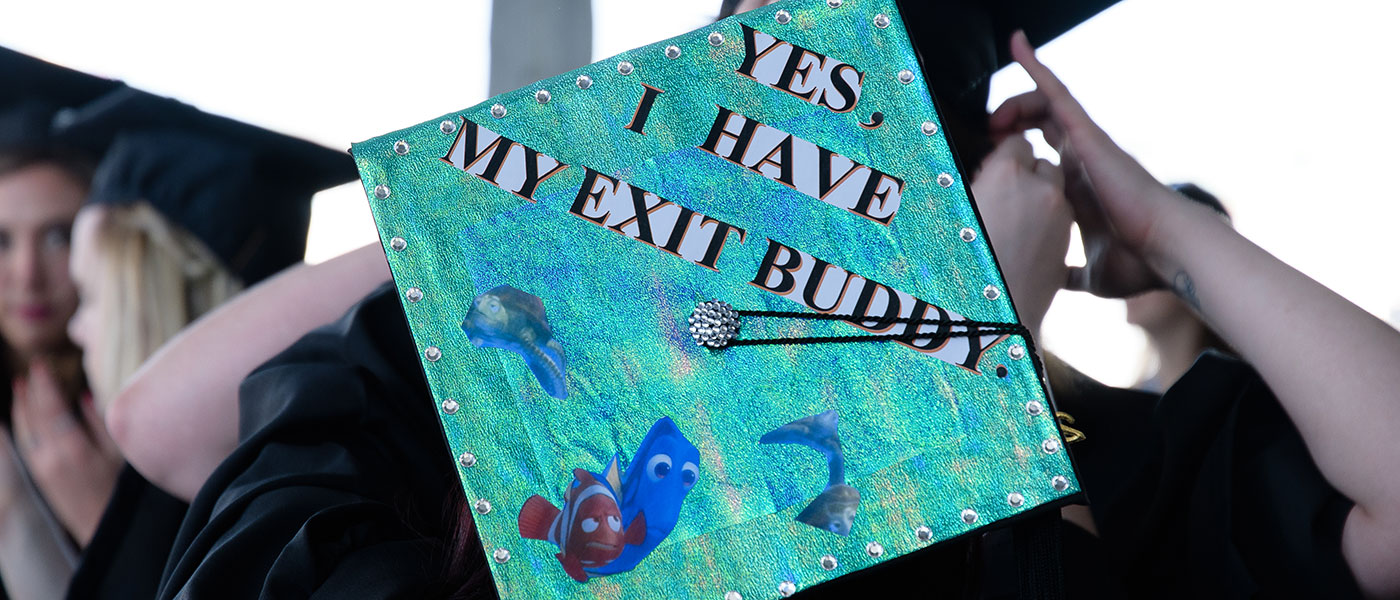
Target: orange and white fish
{"x":588,"y":529}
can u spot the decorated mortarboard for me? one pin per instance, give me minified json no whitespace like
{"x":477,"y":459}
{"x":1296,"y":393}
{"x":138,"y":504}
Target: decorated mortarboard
{"x":33,"y":91}
{"x":242,"y":190}
{"x":716,"y":317}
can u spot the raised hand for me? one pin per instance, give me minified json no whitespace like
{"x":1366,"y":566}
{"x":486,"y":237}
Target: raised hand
{"x":1116,"y":201}
{"x":70,"y":457}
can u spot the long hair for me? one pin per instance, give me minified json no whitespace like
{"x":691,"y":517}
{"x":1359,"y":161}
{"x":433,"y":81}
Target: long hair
{"x":156,"y":280}
{"x":65,"y":360}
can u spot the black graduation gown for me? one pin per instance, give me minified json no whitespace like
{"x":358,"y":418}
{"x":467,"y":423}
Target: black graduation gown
{"x":339,"y":488}
{"x":127,"y":552}
{"x":342,"y":485}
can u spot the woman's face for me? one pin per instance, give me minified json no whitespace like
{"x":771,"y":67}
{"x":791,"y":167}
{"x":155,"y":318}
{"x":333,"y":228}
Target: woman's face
{"x":37,"y":207}
{"x":86,"y":327}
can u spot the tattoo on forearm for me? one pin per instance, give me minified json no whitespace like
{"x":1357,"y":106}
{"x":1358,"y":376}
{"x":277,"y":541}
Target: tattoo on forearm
{"x":1185,"y":289}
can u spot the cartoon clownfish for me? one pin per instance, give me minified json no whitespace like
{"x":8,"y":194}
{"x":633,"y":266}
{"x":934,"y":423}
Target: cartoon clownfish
{"x":588,"y":529}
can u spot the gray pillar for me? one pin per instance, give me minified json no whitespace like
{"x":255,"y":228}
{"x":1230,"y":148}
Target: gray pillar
{"x":535,"y":39}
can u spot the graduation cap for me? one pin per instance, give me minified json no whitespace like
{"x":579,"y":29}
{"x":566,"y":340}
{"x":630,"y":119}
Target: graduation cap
{"x":244,"y":191}
{"x":749,"y":331}
{"x":33,"y":91}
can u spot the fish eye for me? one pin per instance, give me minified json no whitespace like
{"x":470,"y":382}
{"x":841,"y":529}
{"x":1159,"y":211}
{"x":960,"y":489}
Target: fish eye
{"x":615,"y":523}
{"x":589,"y":525}
{"x":494,"y":306}
{"x":689,"y":473}
{"x":658,"y":467}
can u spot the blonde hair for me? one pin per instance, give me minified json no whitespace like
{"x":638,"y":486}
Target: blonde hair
{"x":157,"y":278}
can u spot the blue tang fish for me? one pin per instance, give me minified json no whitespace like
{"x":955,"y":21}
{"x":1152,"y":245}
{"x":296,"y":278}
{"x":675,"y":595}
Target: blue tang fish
{"x":660,"y":475}
{"x":835,"y":508}
{"x":513,"y":320}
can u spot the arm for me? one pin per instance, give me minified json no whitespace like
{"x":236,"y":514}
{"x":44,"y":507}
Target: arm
{"x":1330,"y":364}
{"x":186,"y":395}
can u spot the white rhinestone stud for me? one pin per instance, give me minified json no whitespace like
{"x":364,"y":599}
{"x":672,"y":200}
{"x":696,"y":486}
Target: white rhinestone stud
{"x":584,"y":82}
{"x":716,"y":39}
{"x":501,"y":555}
{"x":1016,"y":352}
{"x":498,"y":110}
{"x":624,"y":68}
{"x":1050,"y":446}
{"x":968,"y":516}
{"x":923,"y":533}
{"x":447,"y":127}
{"x":882,"y":21}
{"x":450,"y":406}
{"x":968,"y":234}
{"x":787,"y":588}
{"x":714,"y":323}
{"x":483,"y":506}
{"x":432,"y":354}
{"x":874,"y":549}
{"x":1059,"y":483}
{"x":1015,"y":499}
{"x":991,"y":292}
{"x":542,"y":96}
{"x":381,"y":191}
{"x":1034,"y":408}
{"x":945,"y":180}
{"x":782,"y":17}
{"x":413,"y":294}
{"x":401,"y":148}
{"x":398,"y":244}
{"x":673,"y":51}
{"x":467,"y":460}
{"x":834,"y":3}
{"x":929,"y":128}
{"x":828,"y":562}
{"x":905,"y":76}
{"x":733,"y":595}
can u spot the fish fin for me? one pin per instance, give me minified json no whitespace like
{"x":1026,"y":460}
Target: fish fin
{"x":536,"y":517}
{"x":636,"y":533}
{"x":613,"y":477}
{"x":548,"y":370}
{"x":572,"y":567}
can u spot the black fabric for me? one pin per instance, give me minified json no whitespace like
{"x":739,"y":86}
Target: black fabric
{"x":32,"y":91}
{"x":242,"y":190}
{"x":1210,"y":491}
{"x":338,"y":491}
{"x":337,"y":488}
{"x":128,"y":550}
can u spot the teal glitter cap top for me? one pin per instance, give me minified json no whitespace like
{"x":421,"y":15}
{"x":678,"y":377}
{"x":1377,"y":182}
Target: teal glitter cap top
{"x":586,"y":262}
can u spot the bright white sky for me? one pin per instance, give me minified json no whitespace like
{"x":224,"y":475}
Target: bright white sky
{"x":1284,"y":109}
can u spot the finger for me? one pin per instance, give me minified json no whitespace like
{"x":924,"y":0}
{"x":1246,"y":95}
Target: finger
{"x":1016,"y":149}
{"x":1060,"y":101}
{"x":19,"y":415}
{"x":45,"y":395}
{"x":1050,"y":172}
{"x":1019,"y":113}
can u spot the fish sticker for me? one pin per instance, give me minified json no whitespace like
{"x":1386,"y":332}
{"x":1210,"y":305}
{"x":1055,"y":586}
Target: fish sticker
{"x":835,"y":508}
{"x":513,"y":320}
{"x":588,"y":529}
{"x":660,"y":475}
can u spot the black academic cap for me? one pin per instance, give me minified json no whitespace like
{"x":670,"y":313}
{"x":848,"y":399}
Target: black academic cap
{"x":32,"y":90}
{"x":963,"y":42}
{"x":242,"y":190}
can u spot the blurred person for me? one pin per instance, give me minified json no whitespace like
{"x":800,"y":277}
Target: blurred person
{"x":184,"y":208}
{"x":42,"y":186}
{"x":1176,"y":335}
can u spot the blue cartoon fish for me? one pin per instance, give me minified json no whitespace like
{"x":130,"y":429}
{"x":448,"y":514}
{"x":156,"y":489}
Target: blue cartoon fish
{"x":660,"y":475}
{"x":588,"y":529}
{"x":835,"y":508}
{"x":513,"y":320}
